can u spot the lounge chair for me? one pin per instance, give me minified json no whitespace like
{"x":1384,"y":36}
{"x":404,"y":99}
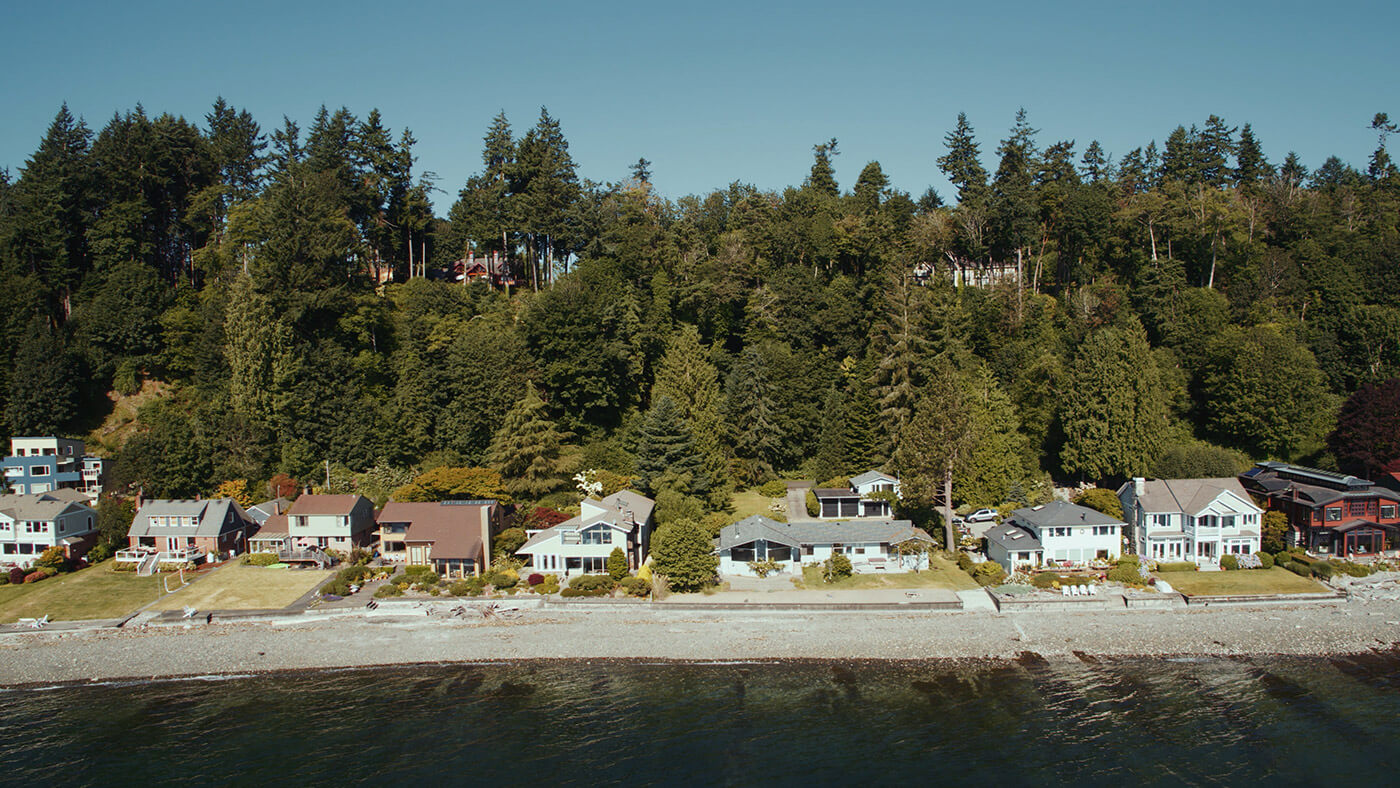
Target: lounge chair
{"x":35,"y":623}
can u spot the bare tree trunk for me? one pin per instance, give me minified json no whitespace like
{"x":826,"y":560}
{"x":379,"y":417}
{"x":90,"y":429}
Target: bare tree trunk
{"x":1020,"y":287}
{"x":1152,"y":234}
{"x":948,"y":542}
{"x":411,"y":269}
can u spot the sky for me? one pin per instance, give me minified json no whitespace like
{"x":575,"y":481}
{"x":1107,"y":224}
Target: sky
{"x":719,"y":91}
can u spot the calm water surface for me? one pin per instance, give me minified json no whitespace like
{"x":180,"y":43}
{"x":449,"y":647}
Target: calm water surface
{"x":1094,"y":722}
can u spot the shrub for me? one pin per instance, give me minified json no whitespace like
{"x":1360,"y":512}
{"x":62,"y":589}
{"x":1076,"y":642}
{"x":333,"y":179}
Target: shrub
{"x":4,"y":578}
{"x":1125,"y":573}
{"x":17,"y":575}
{"x":1296,"y":568}
{"x":354,"y":574}
{"x":549,"y":586}
{"x":814,"y":507}
{"x":503,"y":578}
{"x":603,"y":584}
{"x":534,"y":579}
{"x":1130,"y":558}
{"x":1229,"y":562}
{"x":337,"y":586}
{"x":765,"y":567}
{"x":420,"y":571}
{"x":1044,"y":579}
{"x":472,"y":586}
{"x":1177,"y":566}
{"x":637,"y":587}
{"x":55,"y":558}
{"x":1266,"y":561}
{"x":1353,"y":569}
{"x":965,"y":562}
{"x":399,"y":579}
{"x":1248,"y":561}
{"x":836,"y":567}
{"x":388,"y":589}
{"x":989,"y":573}
{"x":1282,"y":557}
{"x":617,"y":563}
{"x":1322,"y":570}
{"x":775,"y":488}
{"x":360,"y":556}
{"x":260,"y":559}
{"x":34,"y":577}
{"x":98,"y":554}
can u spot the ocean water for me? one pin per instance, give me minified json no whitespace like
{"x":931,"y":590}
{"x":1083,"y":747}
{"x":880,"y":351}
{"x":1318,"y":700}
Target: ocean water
{"x":1030,"y":722}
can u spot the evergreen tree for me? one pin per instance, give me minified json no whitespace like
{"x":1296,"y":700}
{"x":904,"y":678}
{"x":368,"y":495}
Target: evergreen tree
{"x":1096,"y":166}
{"x":1113,"y":414}
{"x":962,"y":163}
{"x":996,"y":458}
{"x":529,"y":450}
{"x":749,"y":402}
{"x":1013,"y":196}
{"x":1250,"y":165}
{"x":44,"y":399}
{"x":687,"y":377}
{"x":667,"y":458}
{"x":683,"y":552}
{"x":823,"y":177}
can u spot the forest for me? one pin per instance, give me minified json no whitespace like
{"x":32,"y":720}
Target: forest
{"x":280,"y":302}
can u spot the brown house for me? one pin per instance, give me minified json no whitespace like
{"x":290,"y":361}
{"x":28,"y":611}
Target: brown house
{"x":453,"y":537}
{"x":1328,"y":512}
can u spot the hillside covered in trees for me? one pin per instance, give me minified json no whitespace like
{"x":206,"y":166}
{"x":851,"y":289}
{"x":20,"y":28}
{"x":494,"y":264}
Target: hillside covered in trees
{"x":1178,"y":310}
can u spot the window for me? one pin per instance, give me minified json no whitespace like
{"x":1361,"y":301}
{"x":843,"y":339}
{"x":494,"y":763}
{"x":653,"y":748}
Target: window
{"x":1105,"y":530}
{"x":1334,"y":514}
{"x":602,"y":535}
{"x":35,"y":527}
{"x":806,"y":549}
{"x":1161,"y":520}
{"x":1227,"y":521}
{"x":39,"y":470}
{"x":1357,"y":508}
{"x":323,"y":542}
{"x":1061,"y":531}
{"x":860,"y":550}
{"x":1387,"y":512}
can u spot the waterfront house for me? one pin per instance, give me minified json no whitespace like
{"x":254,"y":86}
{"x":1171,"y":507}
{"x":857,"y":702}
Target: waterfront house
{"x":859,"y":498}
{"x":583,"y":543}
{"x":453,"y":537}
{"x":1071,"y":535}
{"x":43,"y":464}
{"x":1015,"y":548}
{"x":331,"y":522}
{"x":871,"y":545}
{"x":183,"y":530}
{"x":1197,"y":520}
{"x":31,"y":524}
{"x":1328,"y":512}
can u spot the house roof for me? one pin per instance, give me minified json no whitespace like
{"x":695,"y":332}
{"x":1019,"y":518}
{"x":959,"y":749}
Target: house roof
{"x":631,"y":501}
{"x":813,"y":532}
{"x":325,"y":504}
{"x":1062,"y":513}
{"x":1351,"y":525}
{"x":1013,"y":538}
{"x":40,"y":506}
{"x":260,"y":512}
{"x":619,"y":510}
{"x":212,"y":517}
{"x":871,"y":476}
{"x":830,"y":492}
{"x":453,"y":529}
{"x":273,"y":527}
{"x":1190,"y":496}
{"x":68,"y":494}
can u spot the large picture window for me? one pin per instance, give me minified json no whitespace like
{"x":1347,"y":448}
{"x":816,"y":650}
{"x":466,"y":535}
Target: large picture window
{"x":602,"y":535}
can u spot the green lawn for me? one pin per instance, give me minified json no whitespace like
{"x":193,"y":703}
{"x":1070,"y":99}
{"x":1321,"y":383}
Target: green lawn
{"x":749,"y":502}
{"x":95,"y":592}
{"x":239,"y":587}
{"x":943,"y":574}
{"x":1243,"y":581}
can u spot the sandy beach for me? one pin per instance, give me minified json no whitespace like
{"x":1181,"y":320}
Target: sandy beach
{"x":406,"y":635}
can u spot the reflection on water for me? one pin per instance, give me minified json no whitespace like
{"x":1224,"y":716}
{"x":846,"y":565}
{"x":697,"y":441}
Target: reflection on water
{"x":1088,"y":721}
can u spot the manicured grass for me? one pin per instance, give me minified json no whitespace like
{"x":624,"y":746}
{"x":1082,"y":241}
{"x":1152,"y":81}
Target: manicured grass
{"x":239,"y":587}
{"x":95,"y":592}
{"x":943,"y":574}
{"x":1243,"y":581}
{"x":749,"y":502}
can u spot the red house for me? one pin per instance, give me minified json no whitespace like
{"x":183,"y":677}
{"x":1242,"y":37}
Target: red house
{"x":1329,"y":513}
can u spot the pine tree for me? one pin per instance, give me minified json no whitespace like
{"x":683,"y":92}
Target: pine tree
{"x":749,"y":402}
{"x":44,"y":398}
{"x":683,"y":552}
{"x":529,"y":450}
{"x":962,"y":163}
{"x":1013,"y":195}
{"x":996,"y":459}
{"x":870,"y":189}
{"x":1096,"y":165}
{"x":823,"y":177}
{"x":1250,"y":165}
{"x":666,"y":453}
{"x":902,"y":348}
{"x":687,"y":377}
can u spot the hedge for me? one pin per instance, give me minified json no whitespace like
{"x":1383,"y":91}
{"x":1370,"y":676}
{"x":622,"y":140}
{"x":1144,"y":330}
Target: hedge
{"x":1177,"y":566}
{"x":1302,"y":570}
{"x":1266,"y":560}
{"x":1322,"y":570}
{"x":260,"y":559}
{"x":1049,"y":579}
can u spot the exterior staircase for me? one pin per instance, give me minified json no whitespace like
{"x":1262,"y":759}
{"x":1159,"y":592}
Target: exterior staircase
{"x":148,"y":565}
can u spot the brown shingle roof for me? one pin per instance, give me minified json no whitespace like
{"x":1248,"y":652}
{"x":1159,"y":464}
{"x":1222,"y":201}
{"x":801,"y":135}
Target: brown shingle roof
{"x":324,"y":504}
{"x":454,"y":529}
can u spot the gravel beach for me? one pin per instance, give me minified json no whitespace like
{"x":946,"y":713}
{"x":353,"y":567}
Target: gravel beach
{"x":672,"y":632}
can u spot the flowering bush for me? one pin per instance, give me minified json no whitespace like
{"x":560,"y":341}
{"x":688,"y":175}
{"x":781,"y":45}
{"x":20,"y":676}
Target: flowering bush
{"x":1248,"y":562}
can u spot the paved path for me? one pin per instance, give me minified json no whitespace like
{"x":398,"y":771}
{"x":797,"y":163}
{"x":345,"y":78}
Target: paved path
{"x":797,"y":502}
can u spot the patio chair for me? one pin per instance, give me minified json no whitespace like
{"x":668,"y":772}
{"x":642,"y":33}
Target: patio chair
{"x":36,"y":623}
{"x":1064,"y":590}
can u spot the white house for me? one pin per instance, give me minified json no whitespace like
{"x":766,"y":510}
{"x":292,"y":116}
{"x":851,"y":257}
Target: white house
{"x":872,"y":545}
{"x":1196,"y":520}
{"x":1071,"y":534}
{"x":583,"y":543}
{"x":31,"y":524}
{"x":858,"y":500}
{"x":337,"y":522}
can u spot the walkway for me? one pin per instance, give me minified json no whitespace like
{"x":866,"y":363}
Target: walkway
{"x":797,"y":502}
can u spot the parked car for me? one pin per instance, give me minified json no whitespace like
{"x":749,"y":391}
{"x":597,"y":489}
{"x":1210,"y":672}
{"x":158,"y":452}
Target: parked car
{"x":983,"y":516}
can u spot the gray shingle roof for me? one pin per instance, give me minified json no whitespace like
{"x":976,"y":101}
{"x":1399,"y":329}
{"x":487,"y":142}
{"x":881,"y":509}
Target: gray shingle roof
{"x":1062,"y":513}
{"x":1013,"y":538}
{"x":212,"y":517}
{"x":621,"y":510}
{"x":40,"y":506}
{"x":815,"y":533}
{"x":1189,"y":496}
{"x":871,"y":476}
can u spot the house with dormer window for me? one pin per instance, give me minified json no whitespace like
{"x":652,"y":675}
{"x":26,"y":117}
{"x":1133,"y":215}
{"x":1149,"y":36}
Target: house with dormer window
{"x":582,"y":544}
{"x":1197,"y":520}
{"x":31,"y":524}
{"x":867,"y":495}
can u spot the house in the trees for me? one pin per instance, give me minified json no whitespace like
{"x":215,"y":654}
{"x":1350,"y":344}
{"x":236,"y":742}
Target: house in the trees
{"x":871,"y":545}
{"x":453,"y":537}
{"x":180,"y":530}
{"x":583,"y":543}
{"x":492,"y":269}
{"x":864,"y":497}
{"x":1197,"y":520}
{"x":42,"y":464}
{"x":331,"y":522}
{"x":31,"y":524}
{"x":1015,"y":548}
{"x":1328,"y":513}
{"x":1071,"y":535}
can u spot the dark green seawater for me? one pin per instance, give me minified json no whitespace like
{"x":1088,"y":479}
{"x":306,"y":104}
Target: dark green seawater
{"x":1092,"y":722}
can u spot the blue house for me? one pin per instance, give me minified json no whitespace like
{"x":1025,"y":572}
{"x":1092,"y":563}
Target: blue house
{"x":43,"y":464}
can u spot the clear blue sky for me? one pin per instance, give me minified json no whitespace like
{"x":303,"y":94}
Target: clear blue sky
{"x":719,"y":91}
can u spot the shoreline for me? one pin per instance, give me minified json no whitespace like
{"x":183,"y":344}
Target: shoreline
{"x":674,"y":635}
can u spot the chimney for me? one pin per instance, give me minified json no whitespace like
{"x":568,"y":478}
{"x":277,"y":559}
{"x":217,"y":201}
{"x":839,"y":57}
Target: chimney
{"x":140,"y":498}
{"x":485,"y":535}
{"x":1139,"y":486}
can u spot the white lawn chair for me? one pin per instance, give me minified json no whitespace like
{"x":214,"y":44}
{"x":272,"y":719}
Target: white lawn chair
{"x":35,"y":623}
{"x":188,"y":612}
{"x":1093,"y":590}
{"x":1065,"y":590}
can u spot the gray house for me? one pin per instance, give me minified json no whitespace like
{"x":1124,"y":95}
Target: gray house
{"x":871,"y":545}
{"x":31,"y":524}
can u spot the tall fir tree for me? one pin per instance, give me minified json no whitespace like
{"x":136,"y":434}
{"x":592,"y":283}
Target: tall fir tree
{"x":530,"y":450}
{"x":687,"y":377}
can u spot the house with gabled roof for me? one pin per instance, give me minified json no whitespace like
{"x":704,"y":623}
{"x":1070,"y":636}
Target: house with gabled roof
{"x":453,"y":537}
{"x":1197,"y":520}
{"x":1069,"y":534}
{"x":1015,"y":548}
{"x":862,"y":497}
{"x":187,"y":529}
{"x":31,"y":524}
{"x":1328,"y":512}
{"x":871,"y":545}
{"x":331,"y":522}
{"x":583,"y":543}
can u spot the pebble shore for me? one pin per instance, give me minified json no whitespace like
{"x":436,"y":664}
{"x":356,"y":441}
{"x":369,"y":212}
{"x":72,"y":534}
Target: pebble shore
{"x":671,"y":632}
